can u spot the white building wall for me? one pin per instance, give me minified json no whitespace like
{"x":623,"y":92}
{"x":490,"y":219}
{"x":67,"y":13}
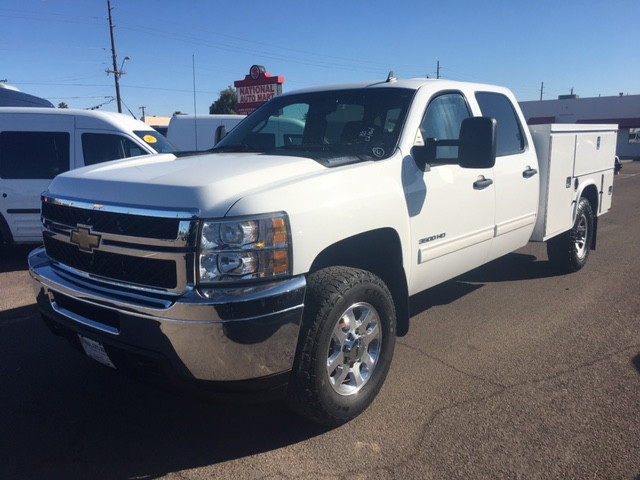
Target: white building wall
{"x":623,"y":110}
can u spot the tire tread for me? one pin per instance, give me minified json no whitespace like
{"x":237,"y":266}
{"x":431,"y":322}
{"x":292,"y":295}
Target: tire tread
{"x":561,"y":249}
{"x":324,"y":291}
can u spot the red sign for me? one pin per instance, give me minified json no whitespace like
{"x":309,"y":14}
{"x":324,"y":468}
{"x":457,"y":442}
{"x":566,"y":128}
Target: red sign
{"x":256,"y":89}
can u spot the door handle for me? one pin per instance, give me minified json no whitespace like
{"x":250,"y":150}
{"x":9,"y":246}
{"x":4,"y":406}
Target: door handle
{"x":482,"y":183}
{"x":529,"y":172}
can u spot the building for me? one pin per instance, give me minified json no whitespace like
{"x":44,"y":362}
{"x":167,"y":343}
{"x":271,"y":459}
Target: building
{"x":623,"y":110}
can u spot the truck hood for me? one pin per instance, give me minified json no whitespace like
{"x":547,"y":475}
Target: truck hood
{"x":211,"y":183}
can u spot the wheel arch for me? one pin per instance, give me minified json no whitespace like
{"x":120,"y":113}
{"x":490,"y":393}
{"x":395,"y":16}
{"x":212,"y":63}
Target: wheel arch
{"x":379,"y":252}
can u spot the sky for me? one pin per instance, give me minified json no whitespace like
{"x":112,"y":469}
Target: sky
{"x":183,"y":53}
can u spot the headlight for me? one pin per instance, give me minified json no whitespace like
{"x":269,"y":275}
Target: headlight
{"x":244,"y":249}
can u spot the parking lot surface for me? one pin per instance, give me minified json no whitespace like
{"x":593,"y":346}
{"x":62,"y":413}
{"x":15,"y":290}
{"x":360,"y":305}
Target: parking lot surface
{"x":509,"y":371}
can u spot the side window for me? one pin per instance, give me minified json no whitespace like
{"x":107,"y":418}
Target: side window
{"x":33,"y":154}
{"x":101,"y":147}
{"x":442,"y":121}
{"x":510,"y":139}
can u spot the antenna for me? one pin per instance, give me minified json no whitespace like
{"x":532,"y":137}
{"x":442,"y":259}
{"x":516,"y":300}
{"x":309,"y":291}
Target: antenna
{"x":195,"y":113}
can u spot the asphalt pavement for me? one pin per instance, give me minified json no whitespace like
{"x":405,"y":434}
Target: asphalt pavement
{"x":509,"y":371}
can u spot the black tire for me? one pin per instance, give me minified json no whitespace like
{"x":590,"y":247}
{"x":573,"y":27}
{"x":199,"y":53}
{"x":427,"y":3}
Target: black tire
{"x":569,"y":251}
{"x":342,"y":362}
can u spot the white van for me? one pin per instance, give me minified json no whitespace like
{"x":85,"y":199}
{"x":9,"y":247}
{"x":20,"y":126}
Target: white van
{"x":197,"y":132}
{"x":36,"y":144}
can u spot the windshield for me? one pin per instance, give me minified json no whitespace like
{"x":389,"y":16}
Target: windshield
{"x":332,"y":127}
{"x":156,"y":141}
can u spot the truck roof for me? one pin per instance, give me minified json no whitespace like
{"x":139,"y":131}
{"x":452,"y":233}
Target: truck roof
{"x":410,"y":83}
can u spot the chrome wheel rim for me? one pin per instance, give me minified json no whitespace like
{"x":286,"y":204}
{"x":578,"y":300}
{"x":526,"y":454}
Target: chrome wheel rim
{"x":354,"y":349}
{"x":581,"y":237}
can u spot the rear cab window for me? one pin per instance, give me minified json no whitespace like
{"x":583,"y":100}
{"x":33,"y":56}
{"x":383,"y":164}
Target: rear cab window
{"x":510,"y":139}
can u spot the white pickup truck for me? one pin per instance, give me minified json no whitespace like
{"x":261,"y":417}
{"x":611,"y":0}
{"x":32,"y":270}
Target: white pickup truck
{"x":284,"y":260}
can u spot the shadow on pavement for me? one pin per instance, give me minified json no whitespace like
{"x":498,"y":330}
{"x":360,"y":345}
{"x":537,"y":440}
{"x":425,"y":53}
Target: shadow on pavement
{"x":636,"y":363}
{"x":65,"y":416}
{"x":18,"y":314}
{"x":13,"y":258}
{"x":512,"y":267}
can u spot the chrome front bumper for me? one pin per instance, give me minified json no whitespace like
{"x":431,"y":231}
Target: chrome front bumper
{"x":229,"y":335}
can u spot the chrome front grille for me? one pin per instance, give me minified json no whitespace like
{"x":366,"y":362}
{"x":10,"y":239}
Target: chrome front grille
{"x":116,"y":223}
{"x":138,"y":247}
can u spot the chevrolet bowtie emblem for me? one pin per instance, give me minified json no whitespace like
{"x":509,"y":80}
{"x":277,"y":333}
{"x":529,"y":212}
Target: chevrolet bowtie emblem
{"x":85,"y":240}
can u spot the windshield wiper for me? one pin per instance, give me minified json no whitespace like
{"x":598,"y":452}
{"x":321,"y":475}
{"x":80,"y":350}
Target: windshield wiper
{"x":307,"y":147}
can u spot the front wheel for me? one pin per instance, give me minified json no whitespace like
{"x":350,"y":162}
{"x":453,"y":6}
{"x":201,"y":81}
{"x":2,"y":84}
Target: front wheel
{"x":569,"y":251}
{"x":346,"y":344}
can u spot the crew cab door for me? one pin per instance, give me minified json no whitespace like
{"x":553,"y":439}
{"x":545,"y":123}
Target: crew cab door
{"x":451,"y":208}
{"x":516,"y":177}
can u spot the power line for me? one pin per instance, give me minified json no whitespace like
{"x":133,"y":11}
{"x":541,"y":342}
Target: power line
{"x":142,"y":87}
{"x":96,"y":107}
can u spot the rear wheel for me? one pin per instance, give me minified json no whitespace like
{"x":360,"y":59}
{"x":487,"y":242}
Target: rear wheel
{"x":569,"y":251}
{"x":346,"y":345}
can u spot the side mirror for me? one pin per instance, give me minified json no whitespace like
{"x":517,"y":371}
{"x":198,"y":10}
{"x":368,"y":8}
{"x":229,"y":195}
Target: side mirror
{"x":477,"y":147}
{"x":221,"y":132}
{"x":424,"y":155}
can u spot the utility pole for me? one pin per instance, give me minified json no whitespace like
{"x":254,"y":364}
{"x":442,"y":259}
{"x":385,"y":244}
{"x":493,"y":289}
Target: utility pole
{"x":541,"y":90}
{"x":115,"y":71}
{"x":438,"y":70}
{"x":143,"y":115}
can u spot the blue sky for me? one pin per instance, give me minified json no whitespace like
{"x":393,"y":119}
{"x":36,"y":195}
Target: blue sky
{"x":60,"y":49}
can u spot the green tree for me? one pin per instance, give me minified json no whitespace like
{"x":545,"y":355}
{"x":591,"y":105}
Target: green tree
{"x":63,"y":105}
{"x":226,"y":103}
